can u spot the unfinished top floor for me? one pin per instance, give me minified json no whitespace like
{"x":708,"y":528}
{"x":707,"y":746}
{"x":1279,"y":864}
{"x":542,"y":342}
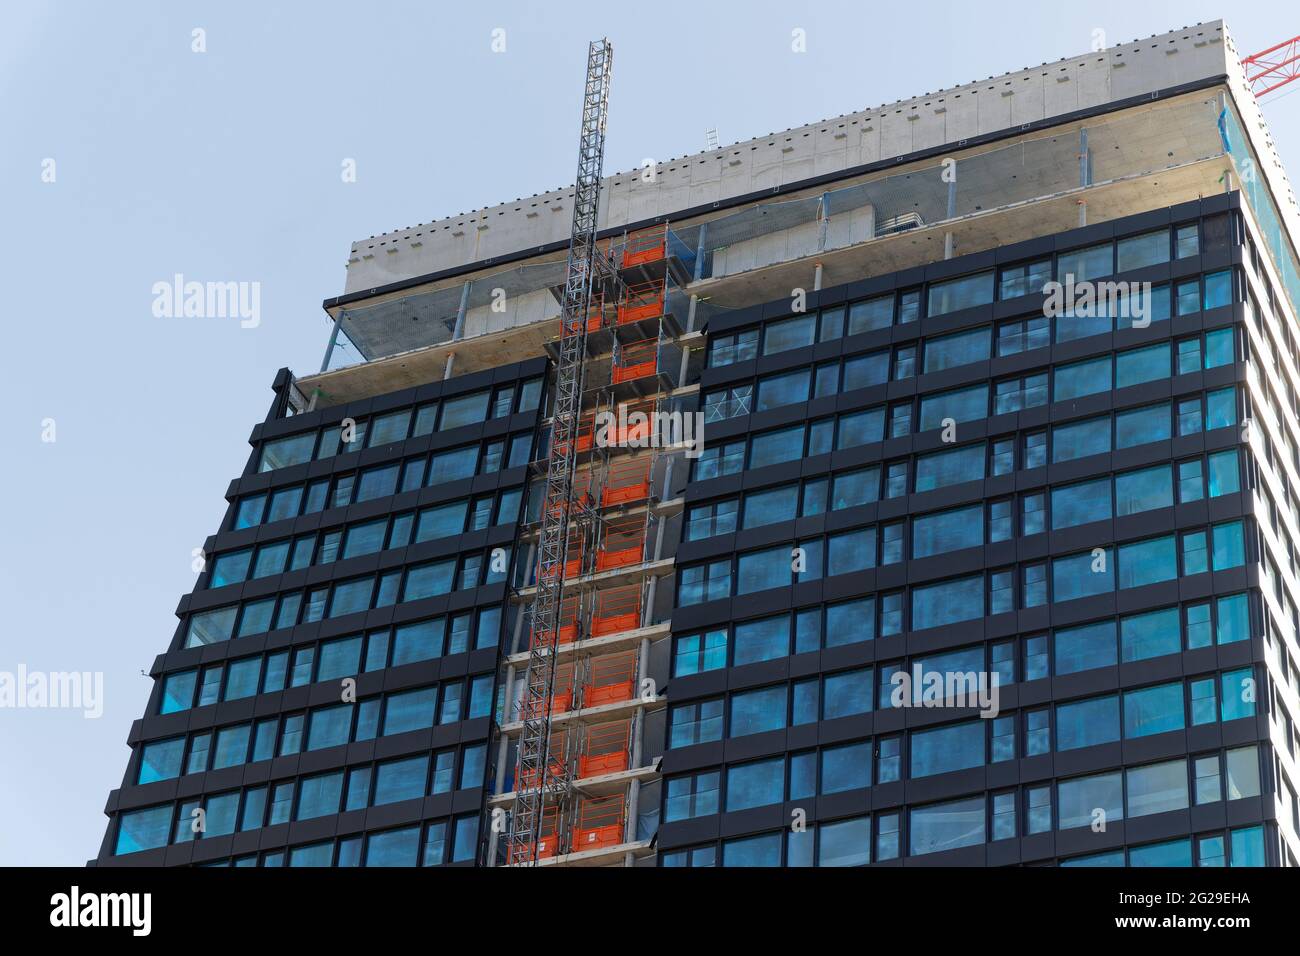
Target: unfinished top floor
{"x":1140,"y":126}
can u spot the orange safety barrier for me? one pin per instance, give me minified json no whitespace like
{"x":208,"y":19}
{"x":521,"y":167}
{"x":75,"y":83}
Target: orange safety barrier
{"x":606,"y":749}
{"x":613,"y":679}
{"x":600,"y":823}
{"x":617,"y":610}
{"x":636,"y":360}
{"x":627,"y":481}
{"x":646,"y":245}
{"x":623,"y":543}
{"x":643,"y":301}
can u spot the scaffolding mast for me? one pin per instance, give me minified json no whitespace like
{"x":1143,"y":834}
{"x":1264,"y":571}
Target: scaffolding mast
{"x":538,"y":781}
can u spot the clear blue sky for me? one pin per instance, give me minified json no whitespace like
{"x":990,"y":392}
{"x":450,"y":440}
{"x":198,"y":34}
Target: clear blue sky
{"x":225,"y":166}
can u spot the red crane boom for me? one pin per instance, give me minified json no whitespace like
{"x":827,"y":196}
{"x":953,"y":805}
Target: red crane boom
{"x":1273,"y":68}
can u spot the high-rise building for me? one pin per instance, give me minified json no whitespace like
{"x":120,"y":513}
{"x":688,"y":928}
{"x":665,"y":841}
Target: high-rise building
{"x":987,"y":555}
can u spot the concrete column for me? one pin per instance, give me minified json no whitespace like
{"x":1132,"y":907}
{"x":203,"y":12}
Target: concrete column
{"x":817,"y":277}
{"x":823,"y":221}
{"x":446,"y":369}
{"x":519,"y":618}
{"x":699,"y":253}
{"x":1085,"y":159}
{"x":458,"y":332}
{"x":638,"y":728}
{"x":949,"y":241}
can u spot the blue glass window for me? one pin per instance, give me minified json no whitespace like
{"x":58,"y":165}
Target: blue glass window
{"x":1080,"y":439}
{"x":1153,"y":710}
{"x":866,"y":370}
{"x":329,"y":726}
{"x":757,"y":711}
{"x":1082,"y":378}
{"x":761,"y":570}
{"x":771,"y":448}
{"x":1078,"y":800}
{"x":860,"y":428}
{"x":1139,"y":426}
{"x":284,"y":452}
{"x":161,"y":760}
{"x":178,"y":692}
{"x":320,"y":795}
{"x":944,"y":468}
{"x":1081,"y":575}
{"x":1086,"y":723}
{"x":409,"y":710}
{"x":961,"y":405}
{"x":1083,"y":648}
{"x":948,"y":748}
{"x":948,"y":602}
{"x":948,"y":531}
{"x":395,"y":847}
{"x":947,"y":826}
{"x":1142,"y":365}
{"x":1238,"y":694}
{"x":401,"y":780}
{"x":756,"y":784}
{"x":846,"y":694}
{"x":846,"y":767}
{"x":959,"y":348}
{"x":1152,"y":634}
{"x":1148,"y":562}
{"x":143,"y":829}
{"x":762,"y":640}
{"x":785,"y":389}
{"x":1081,"y":503}
{"x":963,"y":293}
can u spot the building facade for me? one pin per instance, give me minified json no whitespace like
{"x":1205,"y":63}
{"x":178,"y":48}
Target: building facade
{"x":968,"y":537}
